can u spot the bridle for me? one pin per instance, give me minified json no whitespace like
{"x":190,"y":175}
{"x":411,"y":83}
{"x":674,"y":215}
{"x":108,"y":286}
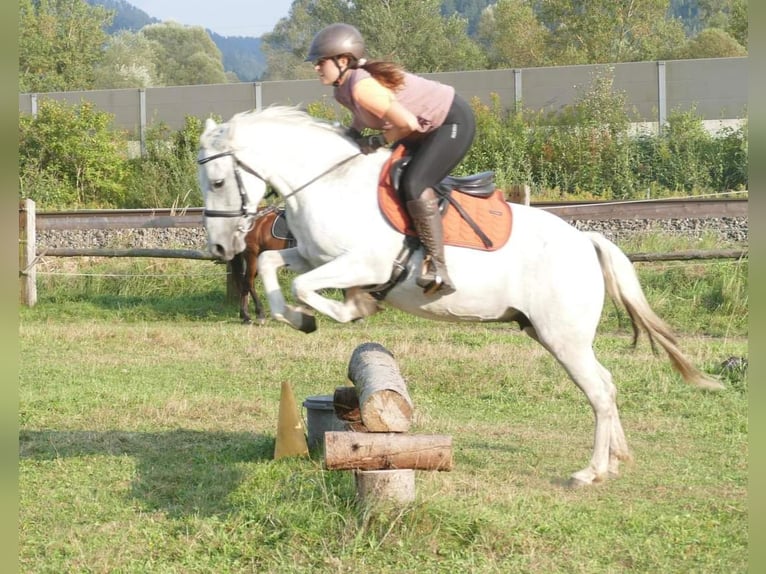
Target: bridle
{"x":244,"y":210}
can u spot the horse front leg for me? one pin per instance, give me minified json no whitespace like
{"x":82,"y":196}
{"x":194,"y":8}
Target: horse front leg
{"x":269,"y":263}
{"x":347,"y":273}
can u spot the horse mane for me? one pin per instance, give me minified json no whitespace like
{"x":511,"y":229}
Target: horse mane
{"x":276,"y":113}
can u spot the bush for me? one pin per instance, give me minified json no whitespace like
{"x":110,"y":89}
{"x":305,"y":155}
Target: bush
{"x":167,"y":175}
{"x":71,"y":157}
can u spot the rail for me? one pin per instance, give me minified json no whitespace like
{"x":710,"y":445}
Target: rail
{"x":570,"y":211}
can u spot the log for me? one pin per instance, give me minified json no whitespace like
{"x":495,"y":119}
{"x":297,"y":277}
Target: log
{"x":384,"y":402}
{"x":387,"y":451}
{"x":690,"y":255}
{"x":378,"y":487}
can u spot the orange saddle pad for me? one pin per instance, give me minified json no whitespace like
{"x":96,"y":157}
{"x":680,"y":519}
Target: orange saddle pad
{"x":491,"y":214}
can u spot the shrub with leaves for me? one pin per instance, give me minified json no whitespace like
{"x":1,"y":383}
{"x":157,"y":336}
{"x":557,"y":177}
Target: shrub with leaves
{"x":167,"y":175}
{"x":71,"y":157}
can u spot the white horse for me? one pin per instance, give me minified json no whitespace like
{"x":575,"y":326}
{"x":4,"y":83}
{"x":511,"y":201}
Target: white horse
{"x":549,"y":277}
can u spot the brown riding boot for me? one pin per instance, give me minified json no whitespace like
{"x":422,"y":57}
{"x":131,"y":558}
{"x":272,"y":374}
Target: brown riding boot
{"x":428,"y":223}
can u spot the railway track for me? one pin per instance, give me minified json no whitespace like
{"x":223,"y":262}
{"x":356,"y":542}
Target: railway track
{"x":570,"y":211}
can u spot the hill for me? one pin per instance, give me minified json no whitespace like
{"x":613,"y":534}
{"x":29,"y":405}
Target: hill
{"x":241,"y":54}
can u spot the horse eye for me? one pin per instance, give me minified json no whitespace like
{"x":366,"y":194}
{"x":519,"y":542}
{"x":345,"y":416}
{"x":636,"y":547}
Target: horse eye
{"x":218,"y":183}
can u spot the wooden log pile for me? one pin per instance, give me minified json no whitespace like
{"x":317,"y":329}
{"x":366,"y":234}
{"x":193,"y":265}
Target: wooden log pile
{"x":378,"y":411}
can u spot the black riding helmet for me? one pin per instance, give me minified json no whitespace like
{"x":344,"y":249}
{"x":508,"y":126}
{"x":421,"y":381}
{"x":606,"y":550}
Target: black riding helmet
{"x":336,"y":40}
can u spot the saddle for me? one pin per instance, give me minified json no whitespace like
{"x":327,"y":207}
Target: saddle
{"x":480,"y":217}
{"x":280,"y":230}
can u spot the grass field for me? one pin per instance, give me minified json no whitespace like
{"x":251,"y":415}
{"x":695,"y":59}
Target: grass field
{"x":148,"y":419}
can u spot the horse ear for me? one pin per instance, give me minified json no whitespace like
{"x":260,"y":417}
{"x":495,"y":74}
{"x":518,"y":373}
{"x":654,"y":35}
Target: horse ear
{"x":210,"y":124}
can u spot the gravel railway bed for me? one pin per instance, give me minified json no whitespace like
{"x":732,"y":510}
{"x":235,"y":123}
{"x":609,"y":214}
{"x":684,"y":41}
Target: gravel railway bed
{"x":729,"y":231}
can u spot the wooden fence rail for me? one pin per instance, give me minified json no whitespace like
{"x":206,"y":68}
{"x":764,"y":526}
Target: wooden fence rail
{"x":29,"y":256}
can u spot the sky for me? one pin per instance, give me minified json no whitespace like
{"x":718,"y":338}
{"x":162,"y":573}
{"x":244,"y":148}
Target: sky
{"x":224,"y":17}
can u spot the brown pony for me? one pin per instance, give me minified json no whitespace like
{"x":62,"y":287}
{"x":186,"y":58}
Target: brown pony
{"x":269,"y":232}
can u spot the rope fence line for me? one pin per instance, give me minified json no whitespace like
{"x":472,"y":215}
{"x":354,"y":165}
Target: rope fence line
{"x":126,"y":275}
{"x":678,"y":258}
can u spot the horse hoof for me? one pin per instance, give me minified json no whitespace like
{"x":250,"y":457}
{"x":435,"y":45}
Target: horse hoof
{"x":583,"y":478}
{"x":261,"y":321}
{"x":308,"y":324}
{"x":247,"y":322}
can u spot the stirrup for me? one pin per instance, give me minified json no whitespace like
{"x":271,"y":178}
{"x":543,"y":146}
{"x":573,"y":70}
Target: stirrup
{"x":431,"y":281}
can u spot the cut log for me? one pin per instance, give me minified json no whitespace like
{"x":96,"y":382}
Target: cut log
{"x":378,"y":487}
{"x":384,"y":402}
{"x":387,"y":451}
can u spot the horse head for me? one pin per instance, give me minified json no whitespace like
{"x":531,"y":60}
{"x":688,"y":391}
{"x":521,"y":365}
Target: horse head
{"x":231,"y":190}
{"x":280,"y":145}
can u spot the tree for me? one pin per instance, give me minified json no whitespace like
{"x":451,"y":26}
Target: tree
{"x":287,"y":45}
{"x":414,"y":34}
{"x":604,"y":31}
{"x":471,"y":10}
{"x":512,"y":36}
{"x":185,"y":55}
{"x":410,"y":32}
{"x":60,"y":43}
{"x":129,"y":61}
{"x":737,"y":25}
{"x":711,"y":43}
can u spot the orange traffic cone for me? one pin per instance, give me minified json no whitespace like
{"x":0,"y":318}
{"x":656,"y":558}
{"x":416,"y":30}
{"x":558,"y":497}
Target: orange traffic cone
{"x":291,"y":439}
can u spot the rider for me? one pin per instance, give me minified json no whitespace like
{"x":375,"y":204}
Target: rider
{"x":433,"y":122}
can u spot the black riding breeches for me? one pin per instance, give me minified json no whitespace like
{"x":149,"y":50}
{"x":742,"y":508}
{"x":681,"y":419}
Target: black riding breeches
{"x":434,"y":157}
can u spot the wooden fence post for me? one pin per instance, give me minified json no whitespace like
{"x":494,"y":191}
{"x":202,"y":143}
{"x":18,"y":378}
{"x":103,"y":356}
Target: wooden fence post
{"x":519,"y":193}
{"x":232,"y":291}
{"x":27,"y":253}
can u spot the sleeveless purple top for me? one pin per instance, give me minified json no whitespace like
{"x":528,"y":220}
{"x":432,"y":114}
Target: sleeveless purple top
{"x":428,"y":100}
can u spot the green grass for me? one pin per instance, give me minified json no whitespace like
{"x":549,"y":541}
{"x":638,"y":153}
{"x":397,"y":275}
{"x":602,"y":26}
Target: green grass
{"x":148,"y":417}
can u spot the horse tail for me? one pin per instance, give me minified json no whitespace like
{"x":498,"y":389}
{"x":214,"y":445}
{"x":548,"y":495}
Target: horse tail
{"x":623,"y":286}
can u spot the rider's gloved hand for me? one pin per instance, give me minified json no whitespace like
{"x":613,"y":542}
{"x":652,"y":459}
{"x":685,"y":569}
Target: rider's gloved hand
{"x":353,"y":133}
{"x":368,"y":144}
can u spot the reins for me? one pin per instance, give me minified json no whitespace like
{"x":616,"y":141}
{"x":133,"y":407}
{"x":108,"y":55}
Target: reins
{"x":321,"y":175}
{"x":243,"y":212}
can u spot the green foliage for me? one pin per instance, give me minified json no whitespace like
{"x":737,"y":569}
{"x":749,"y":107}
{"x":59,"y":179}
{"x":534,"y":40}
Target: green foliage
{"x":185,"y":55}
{"x":583,"y":151}
{"x":679,"y":156}
{"x":129,"y":61}
{"x":512,"y":36}
{"x":167,"y":175}
{"x":71,"y":156}
{"x":710,"y":43}
{"x":587,"y":150}
{"x":737,"y":26}
{"x":60,"y":44}
{"x":501,"y":144}
{"x":606,"y":31}
{"x":415,"y":35}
